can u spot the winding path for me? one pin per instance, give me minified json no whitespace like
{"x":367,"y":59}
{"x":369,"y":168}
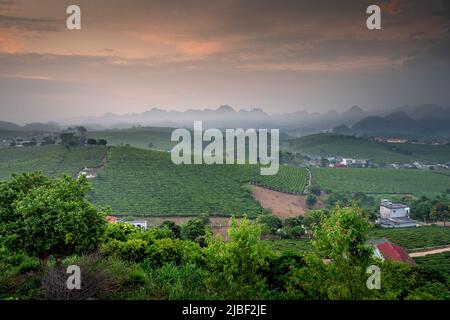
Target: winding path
{"x":306,"y":190}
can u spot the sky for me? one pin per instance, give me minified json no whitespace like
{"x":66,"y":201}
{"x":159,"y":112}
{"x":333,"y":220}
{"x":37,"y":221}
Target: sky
{"x":278,"y":55}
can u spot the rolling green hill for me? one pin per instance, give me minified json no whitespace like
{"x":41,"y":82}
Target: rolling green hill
{"x":51,"y":160}
{"x":348,"y":146}
{"x":138,"y":182}
{"x":382,"y":181}
{"x":141,"y":137}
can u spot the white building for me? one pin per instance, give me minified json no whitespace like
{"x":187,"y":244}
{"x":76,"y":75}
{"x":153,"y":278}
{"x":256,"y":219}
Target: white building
{"x":395,"y":215}
{"x":140,"y":224}
{"x":393,"y":210}
{"x":347,"y":161}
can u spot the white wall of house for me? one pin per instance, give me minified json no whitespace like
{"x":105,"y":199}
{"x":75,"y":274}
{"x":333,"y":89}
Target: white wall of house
{"x":393,"y":213}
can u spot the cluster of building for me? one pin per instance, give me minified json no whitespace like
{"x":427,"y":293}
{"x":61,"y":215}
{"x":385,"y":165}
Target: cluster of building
{"x":434,"y":142}
{"x":419,"y":165}
{"x":21,"y":142}
{"x":338,"y":162}
{"x":341,"y":162}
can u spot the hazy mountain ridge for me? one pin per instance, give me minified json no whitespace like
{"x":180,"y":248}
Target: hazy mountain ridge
{"x":427,"y":120}
{"x":29,"y":127}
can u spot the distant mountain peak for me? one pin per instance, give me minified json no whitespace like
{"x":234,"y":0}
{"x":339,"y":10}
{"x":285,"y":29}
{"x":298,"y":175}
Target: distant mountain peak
{"x":355,"y":109}
{"x":226,"y":108}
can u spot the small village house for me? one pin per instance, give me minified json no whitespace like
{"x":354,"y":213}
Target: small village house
{"x":395,"y":215}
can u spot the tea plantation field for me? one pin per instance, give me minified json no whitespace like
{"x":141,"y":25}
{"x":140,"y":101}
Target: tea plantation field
{"x":382,"y":181}
{"x":51,"y":160}
{"x":329,"y":144}
{"x":414,"y":238}
{"x":145,"y":182}
{"x":436,"y":262}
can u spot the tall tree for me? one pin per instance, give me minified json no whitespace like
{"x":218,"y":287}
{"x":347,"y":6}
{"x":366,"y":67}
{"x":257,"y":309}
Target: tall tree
{"x":45,"y":217}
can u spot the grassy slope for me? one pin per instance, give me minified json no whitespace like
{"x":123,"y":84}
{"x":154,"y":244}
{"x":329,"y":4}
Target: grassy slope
{"x":137,"y":181}
{"x":137,"y":137}
{"x":384,"y":181}
{"x":437,"y":263}
{"x":414,"y":238}
{"x":347,"y":146}
{"x":51,"y":160}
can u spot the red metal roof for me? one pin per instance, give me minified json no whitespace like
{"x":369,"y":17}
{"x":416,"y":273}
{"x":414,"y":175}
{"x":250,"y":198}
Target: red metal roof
{"x":112,"y":219}
{"x":391,"y":251}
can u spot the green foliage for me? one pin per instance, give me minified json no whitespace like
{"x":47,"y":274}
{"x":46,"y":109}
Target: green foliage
{"x":194,"y":229}
{"x":184,"y":282}
{"x":175,"y":251}
{"x":286,"y":245}
{"x":341,"y":238}
{"x":235,"y":267}
{"x":176,"y":229}
{"x":269,"y":223}
{"x":102,"y":142}
{"x":436,"y":263}
{"x":119,"y":231}
{"x":311,"y":200}
{"x":134,"y":250}
{"x":440,"y":211}
{"x":315,"y":190}
{"x":69,"y":139}
{"x":49,"y":217}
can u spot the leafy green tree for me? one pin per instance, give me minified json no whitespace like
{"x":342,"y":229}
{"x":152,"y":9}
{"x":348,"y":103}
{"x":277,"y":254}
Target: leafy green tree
{"x":235,"y":267}
{"x":315,"y":190}
{"x":176,"y":229}
{"x":69,"y":139}
{"x":133,"y":250}
{"x":194,"y":230}
{"x":421,"y":208}
{"x":120,"y":231}
{"x":311,"y":200}
{"x":270,"y":223}
{"x":45,"y":217}
{"x":336,"y":267}
{"x":102,"y":142}
{"x":91,"y":142}
{"x":440,"y":211}
{"x":175,"y":251}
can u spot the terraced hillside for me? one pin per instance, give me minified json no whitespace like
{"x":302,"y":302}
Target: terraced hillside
{"x":51,"y":160}
{"x":137,"y":181}
{"x":382,"y":181}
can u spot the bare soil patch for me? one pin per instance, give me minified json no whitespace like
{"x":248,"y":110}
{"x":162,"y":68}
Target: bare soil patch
{"x":282,"y":204}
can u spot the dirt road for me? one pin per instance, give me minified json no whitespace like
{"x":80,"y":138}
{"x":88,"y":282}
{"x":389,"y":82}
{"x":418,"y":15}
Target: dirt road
{"x":427,"y":252}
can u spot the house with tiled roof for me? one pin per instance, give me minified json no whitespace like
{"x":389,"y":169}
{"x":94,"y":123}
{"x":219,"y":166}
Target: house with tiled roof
{"x":386,"y":250}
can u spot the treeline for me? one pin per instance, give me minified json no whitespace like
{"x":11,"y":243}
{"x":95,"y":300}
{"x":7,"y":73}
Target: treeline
{"x":48,"y":224}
